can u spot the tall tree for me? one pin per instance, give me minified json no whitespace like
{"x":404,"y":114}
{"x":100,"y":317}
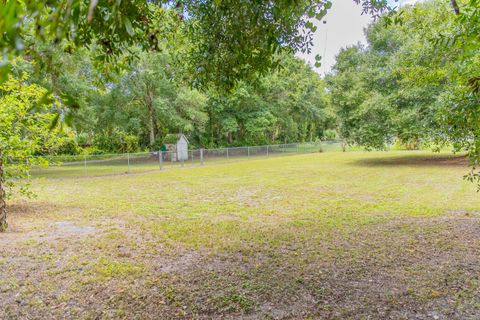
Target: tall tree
{"x":23,"y":133}
{"x":288,"y":104}
{"x":425,"y":68}
{"x":391,"y":88}
{"x":232,"y":39}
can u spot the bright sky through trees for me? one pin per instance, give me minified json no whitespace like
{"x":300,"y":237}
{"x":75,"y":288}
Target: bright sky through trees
{"x":344,"y":27}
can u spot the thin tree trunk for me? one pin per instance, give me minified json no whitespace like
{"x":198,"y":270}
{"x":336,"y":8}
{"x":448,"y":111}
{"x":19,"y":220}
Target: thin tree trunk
{"x":152,"y":127}
{"x":454,"y":4}
{"x":151,"y":119}
{"x":3,"y":205}
{"x":148,"y":98}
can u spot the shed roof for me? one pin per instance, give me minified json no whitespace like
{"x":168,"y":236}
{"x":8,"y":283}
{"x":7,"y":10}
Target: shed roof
{"x":172,"y":138}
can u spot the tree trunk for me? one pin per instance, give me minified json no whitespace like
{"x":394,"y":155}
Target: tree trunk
{"x":148,"y":98}
{"x":455,"y":6}
{"x":151,"y":124}
{"x":3,"y":205}
{"x":152,"y":131}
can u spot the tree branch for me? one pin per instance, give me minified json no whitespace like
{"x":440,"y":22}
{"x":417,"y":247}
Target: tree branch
{"x":454,"y":4}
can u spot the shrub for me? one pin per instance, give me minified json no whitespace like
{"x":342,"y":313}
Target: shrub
{"x":116,"y":142}
{"x":83,"y":139}
{"x":330,"y":134}
{"x":69,"y":147}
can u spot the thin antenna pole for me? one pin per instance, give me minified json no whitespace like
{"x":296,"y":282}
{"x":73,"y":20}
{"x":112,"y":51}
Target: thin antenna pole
{"x":325,"y":48}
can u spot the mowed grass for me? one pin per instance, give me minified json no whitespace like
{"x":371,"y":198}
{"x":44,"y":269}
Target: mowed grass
{"x":327,"y":235}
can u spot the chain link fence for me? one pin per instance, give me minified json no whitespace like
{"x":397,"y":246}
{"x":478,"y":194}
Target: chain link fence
{"x":111,"y":164}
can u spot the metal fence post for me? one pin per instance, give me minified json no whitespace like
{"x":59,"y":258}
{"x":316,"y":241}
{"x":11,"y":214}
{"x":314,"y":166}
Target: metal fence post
{"x":248,"y":152}
{"x":201,"y":156}
{"x":27,"y":164}
{"x":85,"y":163}
{"x":227,"y":153}
{"x":267,"y":151}
{"x":128,"y":161}
{"x":160,"y":159}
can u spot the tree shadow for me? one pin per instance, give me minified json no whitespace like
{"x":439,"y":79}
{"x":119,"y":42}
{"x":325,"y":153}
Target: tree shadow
{"x":415,"y":160}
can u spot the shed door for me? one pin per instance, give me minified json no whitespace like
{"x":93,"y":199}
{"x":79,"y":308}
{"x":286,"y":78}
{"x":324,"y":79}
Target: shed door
{"x":182,"y":150}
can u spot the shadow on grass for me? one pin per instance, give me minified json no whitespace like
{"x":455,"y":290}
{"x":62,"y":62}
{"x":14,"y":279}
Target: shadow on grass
{"x":35,"y":208}
{"x":440,"y":160}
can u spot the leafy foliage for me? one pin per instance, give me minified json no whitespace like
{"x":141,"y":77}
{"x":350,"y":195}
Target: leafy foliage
{"x":289,"y":104}
{"x":149,"y":100}
{"x":229,"y":40}
{"x":392,"y":88}
{"x":424,"y":68}
{"x":25,"y":120}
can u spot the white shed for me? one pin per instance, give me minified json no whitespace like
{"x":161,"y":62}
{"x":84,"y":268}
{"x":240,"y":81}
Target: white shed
{"x":177,"y":146}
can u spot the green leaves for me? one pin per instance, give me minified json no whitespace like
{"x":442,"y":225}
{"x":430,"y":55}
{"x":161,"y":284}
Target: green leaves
{"x":288,"y":104}
{"x":390,"y":90}
{"x":128,"y":26}
{"x":68,"y":100}
{"x":229,"y":40}
{"x":309,"y":25}
{"x":27,"y":128}
{"x":54,"y":122}
{"x":318,"y":61}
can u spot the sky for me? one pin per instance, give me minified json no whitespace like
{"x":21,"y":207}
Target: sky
{"x":344,"y":26}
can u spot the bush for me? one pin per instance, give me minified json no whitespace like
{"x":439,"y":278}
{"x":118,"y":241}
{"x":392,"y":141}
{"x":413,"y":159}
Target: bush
{"x":412,"y":144}
{"x":157,"y":145}
{"x":330,"y":134}
{"x":83,"y":139}
{"x":116,"y":142}
{"x":92,"y":151}
{"x":69,"y":147}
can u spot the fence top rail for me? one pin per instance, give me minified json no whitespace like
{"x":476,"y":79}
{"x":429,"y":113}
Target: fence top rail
{"x":270,"y":145}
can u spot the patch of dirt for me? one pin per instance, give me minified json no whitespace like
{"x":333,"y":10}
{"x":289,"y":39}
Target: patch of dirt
{"x":70,"y":228}
{"x":18,"y":234}
{"x":181,"y":263}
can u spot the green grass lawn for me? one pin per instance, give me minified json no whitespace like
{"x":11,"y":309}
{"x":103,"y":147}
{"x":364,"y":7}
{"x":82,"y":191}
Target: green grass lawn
{"x":319,"y":236}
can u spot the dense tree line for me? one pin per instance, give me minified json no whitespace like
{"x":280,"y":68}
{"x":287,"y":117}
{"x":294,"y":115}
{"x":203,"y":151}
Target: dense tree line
{"x":133,"y":102}
{"x":416,"y":81}
{"x":376,"y":89}
{"x":143,"y":103}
